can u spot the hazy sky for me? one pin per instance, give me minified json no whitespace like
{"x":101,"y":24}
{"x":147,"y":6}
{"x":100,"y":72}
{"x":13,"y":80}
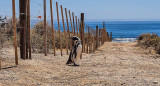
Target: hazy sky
{"x":94,"y":9}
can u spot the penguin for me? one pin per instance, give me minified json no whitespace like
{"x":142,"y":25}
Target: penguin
{"x":76,"y":52}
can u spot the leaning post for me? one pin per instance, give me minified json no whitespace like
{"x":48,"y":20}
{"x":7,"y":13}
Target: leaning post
{"x":73,"y":24}
{"x":59,"y":28}
{"x":45,"y":29}
{"x":71,"y":21}
{"x":76,"y":25}
{"x":15,"y":32}
{"x":68,"y":29}
{"x":53,"y":33}
{"x":64,"y":30}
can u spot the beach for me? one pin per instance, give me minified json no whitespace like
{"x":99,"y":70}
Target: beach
{"x":113,"y":64}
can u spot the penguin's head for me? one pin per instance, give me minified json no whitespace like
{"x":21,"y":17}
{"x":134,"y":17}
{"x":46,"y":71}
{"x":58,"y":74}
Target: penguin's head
{"x":75,"y":39}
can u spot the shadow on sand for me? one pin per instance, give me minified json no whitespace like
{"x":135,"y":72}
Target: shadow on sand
{"x":9,"y":67}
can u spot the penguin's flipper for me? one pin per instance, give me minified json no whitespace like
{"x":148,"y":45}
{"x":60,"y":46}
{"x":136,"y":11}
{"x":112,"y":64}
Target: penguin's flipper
{"x":70,"y":59}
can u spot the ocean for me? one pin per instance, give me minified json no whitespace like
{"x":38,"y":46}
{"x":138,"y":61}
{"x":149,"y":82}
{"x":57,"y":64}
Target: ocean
{"x":123,"y":31}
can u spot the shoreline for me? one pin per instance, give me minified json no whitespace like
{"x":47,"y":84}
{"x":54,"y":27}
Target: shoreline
{"x":124,"y":40}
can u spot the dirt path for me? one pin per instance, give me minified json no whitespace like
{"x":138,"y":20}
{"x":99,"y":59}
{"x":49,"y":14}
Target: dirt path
{"x":113,"y":64}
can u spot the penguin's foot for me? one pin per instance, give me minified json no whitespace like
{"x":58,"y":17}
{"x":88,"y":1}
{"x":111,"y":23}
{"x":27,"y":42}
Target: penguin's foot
{"x":69,"y":62}
{"x":76,"y":64}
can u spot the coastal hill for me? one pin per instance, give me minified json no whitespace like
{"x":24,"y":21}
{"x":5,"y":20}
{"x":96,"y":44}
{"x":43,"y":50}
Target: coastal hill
{"x":112,"y":64}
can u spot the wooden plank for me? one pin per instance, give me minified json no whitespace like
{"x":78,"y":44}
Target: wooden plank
{"x":76,"y":25}
{"x":68,"y":29}
{"x":45,"y":29}
{"x":59,"y":30}
{"x":64,"y":30}
{"x":15,"y":33}
{"x":71,"y":21}
{"x":52,"y":27}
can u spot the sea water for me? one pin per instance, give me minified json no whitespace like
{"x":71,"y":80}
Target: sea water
{"x":122,"y":31}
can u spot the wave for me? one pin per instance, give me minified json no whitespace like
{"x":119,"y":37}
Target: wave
{"x":123,"y":40}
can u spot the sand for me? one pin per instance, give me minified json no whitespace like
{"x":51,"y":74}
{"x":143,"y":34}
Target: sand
{"x":113,"y":64}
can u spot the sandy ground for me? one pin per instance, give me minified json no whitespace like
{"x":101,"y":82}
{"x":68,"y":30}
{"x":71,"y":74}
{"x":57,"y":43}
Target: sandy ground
{"x":113,"y":64}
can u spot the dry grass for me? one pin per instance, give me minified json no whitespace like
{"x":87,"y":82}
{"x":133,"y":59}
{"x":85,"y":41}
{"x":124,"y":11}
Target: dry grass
{"x":150,"y":41}
{"x":37,"y":37}
{"x":113,"y":64}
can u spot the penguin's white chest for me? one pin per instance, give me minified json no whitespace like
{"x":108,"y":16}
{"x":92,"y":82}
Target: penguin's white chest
{"x":79,"y":52}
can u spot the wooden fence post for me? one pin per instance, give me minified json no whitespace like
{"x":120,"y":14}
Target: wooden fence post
{"x":110,"y":39}
{"x":59,"y":28}
{"x":94,"y":43}
{"x":107,"y":36}
{"x":68,"y":29}
{"x":100,"y":41}
{"x":97,"y":37}
{"x":53,"y":33}
{"x":22,"y":10}
{"x":73,"y":24}
{"x":64,"y":30}
{"x":90,"y":50}
{"x":26,"y":30}
{"x":0,"y":61}
{"x":71,"y":21}
{"x":91,"y":37}
{"x":87,"y":39}
{"x":29,"y":34}
{"x":102,"y":36}
{"x":79,"y":26}
{"x":82,"y":31}
{"x":15,"y":33}
{"x":45,"y":31}
{"x":76,"y":25}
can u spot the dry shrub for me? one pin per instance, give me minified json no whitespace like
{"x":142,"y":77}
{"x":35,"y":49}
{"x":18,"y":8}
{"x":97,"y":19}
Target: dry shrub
{"x":6,"y":33}
{"x":149,"y":40}
{"x":6,"y":37}
{"x":37,"y":36}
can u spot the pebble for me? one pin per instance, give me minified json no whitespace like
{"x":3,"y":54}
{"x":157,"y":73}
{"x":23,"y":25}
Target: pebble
{"x":155,"y":82}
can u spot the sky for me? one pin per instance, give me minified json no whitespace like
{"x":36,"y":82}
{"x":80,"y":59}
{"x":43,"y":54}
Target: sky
{"x":93,"y":9}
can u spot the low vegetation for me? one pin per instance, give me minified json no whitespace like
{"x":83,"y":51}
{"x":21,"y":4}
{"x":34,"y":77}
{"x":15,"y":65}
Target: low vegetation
{"x":151,"y":41}
{"x":37,"y":37}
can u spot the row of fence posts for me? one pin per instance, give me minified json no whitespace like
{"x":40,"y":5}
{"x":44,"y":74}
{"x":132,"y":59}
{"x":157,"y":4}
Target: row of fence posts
{"x":91,"y":39}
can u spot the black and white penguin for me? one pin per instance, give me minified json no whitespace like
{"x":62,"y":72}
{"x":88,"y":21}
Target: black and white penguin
{"x":76,"y":52}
